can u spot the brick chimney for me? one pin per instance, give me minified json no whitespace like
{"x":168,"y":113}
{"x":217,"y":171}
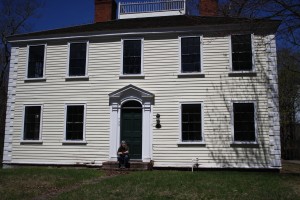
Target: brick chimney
{"x":105,"y":10}
{"x":208,"y":7}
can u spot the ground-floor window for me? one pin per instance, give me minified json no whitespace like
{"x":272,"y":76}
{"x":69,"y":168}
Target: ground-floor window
{"x":244,"y":122}
{"x":191,"y":122}
{"x":32,"y":122}
{"x":75,"y":122}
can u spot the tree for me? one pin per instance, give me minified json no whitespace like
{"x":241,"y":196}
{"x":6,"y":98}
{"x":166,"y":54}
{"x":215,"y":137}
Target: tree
{"x":289,"y":99}
{"x":14,"y":19}
{"x":288,"y":11}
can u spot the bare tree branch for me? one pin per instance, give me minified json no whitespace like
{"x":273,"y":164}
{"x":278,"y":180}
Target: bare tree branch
{"x":14,"y":18}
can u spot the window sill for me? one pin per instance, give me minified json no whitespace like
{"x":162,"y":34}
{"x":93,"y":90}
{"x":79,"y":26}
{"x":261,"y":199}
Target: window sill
{"x":26,"y":80}
{"x":70,"y":142}
{"x":138,"y":76}
{"x":191,"y":75}
{"x":242,"y":74}
{"x":31,"y":142}
{"x":75,"y":78}
{"x":203,"y":144}
{"x":244,"y":144}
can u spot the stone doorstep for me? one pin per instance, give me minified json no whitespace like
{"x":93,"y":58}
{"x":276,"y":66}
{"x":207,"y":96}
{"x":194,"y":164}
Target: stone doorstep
{"x":134,"y":166}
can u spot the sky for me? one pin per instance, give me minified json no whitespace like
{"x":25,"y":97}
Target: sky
{"x":63,"y":13}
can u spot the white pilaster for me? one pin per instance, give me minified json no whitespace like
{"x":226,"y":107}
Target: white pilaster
{"x":146,"y":140}
{"x":114,"y":132}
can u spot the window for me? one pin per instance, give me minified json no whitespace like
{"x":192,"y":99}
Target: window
{"x":132,"y":57}
{"x":75,"y":122}
{"x":244,"y":122}
{"x":241,"y":46}
{"x":32,"y":123}
{"x":36,"y":61}
{"x":191,"y":122}
{"x":77,"y":59}
{"x":190,"y":54}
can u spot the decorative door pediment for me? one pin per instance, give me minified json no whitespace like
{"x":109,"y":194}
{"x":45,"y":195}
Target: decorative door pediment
{"x":131,"y":92}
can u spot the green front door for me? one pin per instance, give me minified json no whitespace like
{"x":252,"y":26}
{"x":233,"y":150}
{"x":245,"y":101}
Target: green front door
{"x":131,"y":128}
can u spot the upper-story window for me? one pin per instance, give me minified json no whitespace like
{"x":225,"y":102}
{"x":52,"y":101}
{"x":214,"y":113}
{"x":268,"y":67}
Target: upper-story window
{"x":244,"y":125}
{"x":241,"y":47}
{"x":77,"y":59}
{"x":132,"y":57}
{"x":190,"y":54}
{"x":36,"y":62}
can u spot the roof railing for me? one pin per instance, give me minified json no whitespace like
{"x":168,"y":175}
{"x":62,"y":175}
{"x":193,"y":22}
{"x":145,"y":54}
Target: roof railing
{"x":151,"y":8}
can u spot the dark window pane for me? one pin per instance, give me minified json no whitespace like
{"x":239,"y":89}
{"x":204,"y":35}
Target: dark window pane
{"x":241,"y":52}
{"x":191,"y":123}
{"x":77,"y":62}
{"x":132,"y":57}
{"x":75,"y":122}
{"x":244,"y":122}
{"x":36,"y":62}
{"x":32,"y":123}
{"x":190,"y":54}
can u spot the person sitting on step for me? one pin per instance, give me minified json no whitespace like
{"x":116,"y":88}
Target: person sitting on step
{"x":123,"y":155}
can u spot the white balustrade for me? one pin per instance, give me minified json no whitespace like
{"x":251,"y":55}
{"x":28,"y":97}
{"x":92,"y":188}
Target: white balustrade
{"x":151,"y":8}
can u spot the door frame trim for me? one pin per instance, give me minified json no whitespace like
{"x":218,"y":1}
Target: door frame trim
{"x":131,"y":93}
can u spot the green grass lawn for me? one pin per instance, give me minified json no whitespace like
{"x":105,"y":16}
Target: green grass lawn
{"x":188,"y":185}
{"x":26,"y":183}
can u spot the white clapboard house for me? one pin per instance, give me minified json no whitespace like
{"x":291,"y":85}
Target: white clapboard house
{"x":176,"y":87}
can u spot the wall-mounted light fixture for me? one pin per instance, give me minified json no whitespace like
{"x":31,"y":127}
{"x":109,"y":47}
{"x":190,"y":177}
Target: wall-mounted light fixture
{"x":158,"y":125}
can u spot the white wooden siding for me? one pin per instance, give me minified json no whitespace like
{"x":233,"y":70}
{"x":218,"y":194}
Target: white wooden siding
{"x":161,"y":63}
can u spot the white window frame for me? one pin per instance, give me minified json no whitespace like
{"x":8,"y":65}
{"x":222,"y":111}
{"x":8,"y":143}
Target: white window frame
{"x":83,"y":141}
{"x":255,"y":122}
{"x":253,"y":55}
{"x":142,"y":58}
{"x":201,"y":56}
{"x":27,"y":62}
{"x":86,"y":60}
{"x":40,"y":140}
{"x":180,"y":122}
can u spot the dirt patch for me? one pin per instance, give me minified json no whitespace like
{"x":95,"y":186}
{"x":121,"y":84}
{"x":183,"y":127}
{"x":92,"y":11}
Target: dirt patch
{"x":291,"y":167}
{"x":114,"y":172}
{"x":296,"y":187}
{"x":54,"y":192}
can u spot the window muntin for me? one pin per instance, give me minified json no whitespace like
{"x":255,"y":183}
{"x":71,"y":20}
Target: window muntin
{"x":32,"y":123}
{"x":132,"y":57}
{"x":244,"y":122}
{"x":191,"y":122}
{"x":190,"y":54}
{"x":75,"y":122}
{"x":36,"y":59}
{"x":241,"y":46}
{"x":77,"y":59}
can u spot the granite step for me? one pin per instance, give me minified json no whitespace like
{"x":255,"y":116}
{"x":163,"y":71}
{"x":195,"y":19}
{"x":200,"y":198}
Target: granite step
{"x":134,"y":166}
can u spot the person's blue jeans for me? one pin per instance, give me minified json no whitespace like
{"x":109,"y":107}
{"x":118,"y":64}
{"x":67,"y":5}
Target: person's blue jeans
{"x":123,"y":160}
